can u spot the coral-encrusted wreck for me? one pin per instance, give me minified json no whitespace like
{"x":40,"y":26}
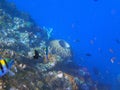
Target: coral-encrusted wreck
{"x":39,"y":61}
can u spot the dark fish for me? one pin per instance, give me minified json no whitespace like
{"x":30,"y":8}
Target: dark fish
{"x":36,"y":56}
{"x":88,"y":54}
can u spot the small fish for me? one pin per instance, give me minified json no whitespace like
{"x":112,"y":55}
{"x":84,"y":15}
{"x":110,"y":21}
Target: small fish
{"x":111,"y":50}
{"x":113,"y":59}
{"x":76,"y":40}
{"x":88,"y":54}
{"x":36,"y":56}
{"x":5,"y":65}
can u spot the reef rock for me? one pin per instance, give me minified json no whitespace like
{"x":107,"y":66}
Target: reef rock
{"x":61,"y":48}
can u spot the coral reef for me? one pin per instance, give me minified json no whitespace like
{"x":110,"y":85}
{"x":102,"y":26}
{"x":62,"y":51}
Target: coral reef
{"x":21,"y":39}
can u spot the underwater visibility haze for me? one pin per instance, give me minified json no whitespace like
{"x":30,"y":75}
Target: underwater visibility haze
{"x":60,"y":44}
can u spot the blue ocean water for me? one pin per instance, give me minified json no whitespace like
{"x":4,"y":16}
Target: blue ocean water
{"x":92,"y":27}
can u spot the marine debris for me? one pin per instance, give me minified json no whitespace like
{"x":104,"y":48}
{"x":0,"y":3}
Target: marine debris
{"x":38,"y":61}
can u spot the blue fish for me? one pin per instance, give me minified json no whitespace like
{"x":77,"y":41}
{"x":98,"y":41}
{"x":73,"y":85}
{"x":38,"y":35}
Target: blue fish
{"x":5,"y":65}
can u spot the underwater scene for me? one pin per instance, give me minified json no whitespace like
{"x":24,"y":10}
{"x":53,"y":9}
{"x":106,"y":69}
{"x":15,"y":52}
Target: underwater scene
{"x":59,"y":45}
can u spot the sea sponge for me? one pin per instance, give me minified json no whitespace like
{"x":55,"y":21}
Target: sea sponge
{"x":61,"y":48}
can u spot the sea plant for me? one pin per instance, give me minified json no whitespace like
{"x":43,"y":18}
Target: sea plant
{"x":48,"y":31}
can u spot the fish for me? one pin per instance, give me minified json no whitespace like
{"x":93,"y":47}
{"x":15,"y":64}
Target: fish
{"x":76,"y":40}
{"x":5,"y":66}
{"x":88,"y":54}
{"x":36,"y":54}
